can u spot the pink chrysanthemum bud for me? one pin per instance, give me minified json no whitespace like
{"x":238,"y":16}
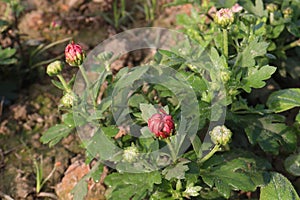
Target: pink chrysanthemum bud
{"x":55,"y":25}
{"x":74,"y":54}
{"x":236,"y":8}
{"x":161,"y":124}
{"x":224,"y":17}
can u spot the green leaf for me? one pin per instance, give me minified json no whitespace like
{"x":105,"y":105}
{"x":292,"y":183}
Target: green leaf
{"x":81,"y":189}
{"x":147,"y":111}
{"x":235,"y":171}
{"x":176,"y":171}
{"x":131,"y":186}
{"x":110,"y":131}
{"x":268,"y":133}
{"x":256,"y":77}
{"x":57,"y":84}
{"x":68,"y":119}
{"x":278,"y":188}
{"x":283,"y":100}
{"x":197,"y":144}
{"x":292,"y":164}
{"x":254,"y":49}
{"x":6,"y":53}
{"x":101,"y":145}
{"x":136,"y":99}
{"x":54,"y":134}
{"x":258,"y":9}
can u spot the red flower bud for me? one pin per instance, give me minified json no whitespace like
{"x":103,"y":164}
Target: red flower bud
{"x":161,"y":124}
{"x":74,"y":54}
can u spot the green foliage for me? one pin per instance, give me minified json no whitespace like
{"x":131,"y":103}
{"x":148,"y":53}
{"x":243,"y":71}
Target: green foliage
{"x":235,"y":171}
{"x":131,"y":186}
{"x":292,"y":164}
{"x":279,"y":187}
{"x":54,"y":134}
{"x":256,"y":77}
{"x":6,"y":56}
{"x":283,"y":100}
{"x":220,"y":67}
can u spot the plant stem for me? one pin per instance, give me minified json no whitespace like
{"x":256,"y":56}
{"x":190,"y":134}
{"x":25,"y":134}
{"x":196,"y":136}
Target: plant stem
{"x":64,"y":83}
{"x":210,"y":154}
{"x":87,"y":82}
{"x":173,"y":154}
{"x":291,"y":45}
{"x":225,"y":43}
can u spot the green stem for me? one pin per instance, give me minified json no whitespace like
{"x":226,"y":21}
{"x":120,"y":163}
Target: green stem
{"x":291,"y":45}
{"x":210,"y":154}
{"x":225,"y":43}
{"x":64,"y":83}
{"x":82,"y":70}
{"x":173,"y":154}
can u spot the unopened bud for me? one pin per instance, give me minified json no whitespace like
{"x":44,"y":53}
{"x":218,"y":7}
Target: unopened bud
{"x":224,"y":17}
{"x":249,"y":19}
{"x":74,"y":54}
{"x":220,"y":135}
{"x":54,"y":68}
{"x":161,"y":124}
{"x":130,"y":154}
{"x":272,"y":7}
{"x":236,"y":8}
{"x":225,"y":76}
{"x":288,"y":12}
{"x":55,"y":25}
{"x":67,"y":100}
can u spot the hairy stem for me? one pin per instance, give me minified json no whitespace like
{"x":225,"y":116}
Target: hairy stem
{"x":64,"y":83}
{"x":210,"y":154}
{"x":225,"y":43}
{"x":173,"y":154}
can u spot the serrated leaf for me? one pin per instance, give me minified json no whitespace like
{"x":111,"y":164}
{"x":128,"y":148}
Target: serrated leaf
{"x":257,"y":9}
{"x":177,"y":171}
{"x":292,"y":164}
{"x":253,"y":50}
{"x":256,"y":77}
{"x":278,"y":188}
{"x":283,"y":100}
{"x":131,"y":186}
{"x":234,"y":171}
{"x":54,"y":134}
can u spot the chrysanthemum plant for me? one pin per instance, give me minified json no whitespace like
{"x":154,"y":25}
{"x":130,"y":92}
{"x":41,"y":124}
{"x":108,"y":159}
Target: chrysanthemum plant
{"x":152,"y":154}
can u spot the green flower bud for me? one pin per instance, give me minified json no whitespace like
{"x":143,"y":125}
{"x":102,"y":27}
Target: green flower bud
{"x":225,"y":76}
{"x":249,"y":19}
{"x":224,"y":17}
{"x":220,"y":135}
{"x":55,"y":68}
{"x":272,"y":7}
{"x":288,"y":12}
{"x":67,"y":100}
{"x":130,"y":154}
